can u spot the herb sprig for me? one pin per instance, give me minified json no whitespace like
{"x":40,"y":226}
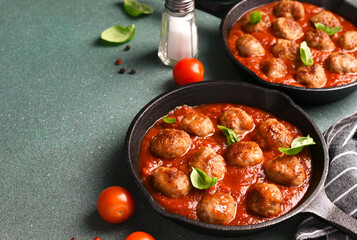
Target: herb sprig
{"x":298,"y":145}
{"x":201,"y":180}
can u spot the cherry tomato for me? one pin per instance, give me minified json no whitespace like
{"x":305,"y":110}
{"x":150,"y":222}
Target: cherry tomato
{"x":188,"y":70}
{"x":139,"y":236}
{"x":115,"y":204}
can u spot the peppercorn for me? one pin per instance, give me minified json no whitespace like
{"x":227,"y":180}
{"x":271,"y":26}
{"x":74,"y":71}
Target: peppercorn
{"x":132,"y":71}
{"x":127,"y":48}
{"x":97,"y":238}
{"x":118,"y":62}
{"x":74,"y":238}
{"x":122,"y":70}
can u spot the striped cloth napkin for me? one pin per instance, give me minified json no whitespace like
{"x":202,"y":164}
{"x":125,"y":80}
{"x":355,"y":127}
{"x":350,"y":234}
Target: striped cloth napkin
{"x":341,"y":182}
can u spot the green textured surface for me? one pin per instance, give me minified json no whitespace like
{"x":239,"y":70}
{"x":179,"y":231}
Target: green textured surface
{"x":64,"y":113}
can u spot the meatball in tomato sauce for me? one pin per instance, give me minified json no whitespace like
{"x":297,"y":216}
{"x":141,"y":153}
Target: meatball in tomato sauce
{"x":319,"y":40}
{"x":170,"y":182}
{"x":249,"y":46}
{"x":286,"y":49}
{"x":274,"y":67}
{"x":290,"y":9}
{"x":341,"y":63}
{"x":264,"y":199}
{"x":237,"y":120}
{"x":326,"y":18}
{"x":170,"y":143}
{"x":244,"y":153}
{"x":311,"y":76}
{"x":197,"y":124}
{"x":285,"y":170}
{"x":206,"y":159}
{"x":287,"y":29}
{"x":348,"y":40}
{"x":260,"y":26}
{"x":217,"y":208}
{"x":273,"y":134}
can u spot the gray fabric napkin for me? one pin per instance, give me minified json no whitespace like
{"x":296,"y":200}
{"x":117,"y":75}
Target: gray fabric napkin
{"x":341,"y":182}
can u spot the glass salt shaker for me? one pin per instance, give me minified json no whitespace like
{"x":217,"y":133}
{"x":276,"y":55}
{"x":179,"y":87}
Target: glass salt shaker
{"x":178,"y":32}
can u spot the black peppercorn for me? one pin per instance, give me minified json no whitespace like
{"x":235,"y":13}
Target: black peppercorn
{"x":122,"y":70}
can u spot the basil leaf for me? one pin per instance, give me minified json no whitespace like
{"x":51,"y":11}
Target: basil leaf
{"x":169,"y":120}
{"x":134,"y":8}
{"x":298,"y":145}
{"x":200,"y":180}
{"x":230,"y":135}
{"x":329,"y":30}
{"x":255,"y":17}
{"x":305,"y":54}
{"x":118,"y":34}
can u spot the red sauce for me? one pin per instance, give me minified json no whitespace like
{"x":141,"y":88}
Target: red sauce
{"x":236,"y":180}
{"x":267,"y":39}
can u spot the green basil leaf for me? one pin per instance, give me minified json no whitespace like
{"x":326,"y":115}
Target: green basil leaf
{"x":329,"y":30}
{"x":305,"y":54}
{"x":169,"y":120}
{"x":200,"y":180}
{"x":298,"y":145}
{"x":230,"y":135}
{"x":255,"y":17}
{"x":118,"y":34}
{"x":134,"y":8}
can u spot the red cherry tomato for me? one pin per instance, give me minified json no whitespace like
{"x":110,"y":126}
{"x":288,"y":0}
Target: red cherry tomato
{"x":188,"y":70}
{"x":115,"y":204}
{"x":139,"y":236}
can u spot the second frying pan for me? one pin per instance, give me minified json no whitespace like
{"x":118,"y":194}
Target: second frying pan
{"x":230,"y":14}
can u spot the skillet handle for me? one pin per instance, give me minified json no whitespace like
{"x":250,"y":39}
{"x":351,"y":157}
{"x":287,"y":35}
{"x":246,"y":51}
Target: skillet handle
{"x":322,"y":207}
{"x":213,"y":8}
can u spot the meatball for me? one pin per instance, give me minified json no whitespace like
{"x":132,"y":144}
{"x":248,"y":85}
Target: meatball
{"x":287,"y":29}
{"x":320,"y":40}
{"x":274,"y":134}
{"x":341,"y":63}
{"x":237,"y":120}
{"x":264,"y":199}
{"x":289,"y":9}
{"x":286,"y":49}
{"x":206,"y":159}
{"x":170,"y":143}
{"x":250,"y":28}
{"x":285,"y":170}
{"x":197,"y":124}
{"x":170,"y":182}
{"x":348,"y":40}
{"x":249,"y":46}
{"x":217,"y":208}
{"x":244,"y":153}
{"x":326,"y":18}
{"x":311,"y":76}
{"x":274,"y":68}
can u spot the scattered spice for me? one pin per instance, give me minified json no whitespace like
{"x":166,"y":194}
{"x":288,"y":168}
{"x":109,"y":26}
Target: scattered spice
{"x":122,"y":70}
{"x":127,"y":48}
{"x":74,"y":238}
{"x":132,"y":71}
{"x":97,"y":238}
{"x":118,"y":62}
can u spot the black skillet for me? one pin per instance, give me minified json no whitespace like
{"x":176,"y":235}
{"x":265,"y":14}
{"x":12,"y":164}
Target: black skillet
{"x":315,"y":200}
{"x":230,"y":14}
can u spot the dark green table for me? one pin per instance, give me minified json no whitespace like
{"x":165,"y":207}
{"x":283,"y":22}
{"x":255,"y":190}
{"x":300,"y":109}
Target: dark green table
{"x":65,"y":110}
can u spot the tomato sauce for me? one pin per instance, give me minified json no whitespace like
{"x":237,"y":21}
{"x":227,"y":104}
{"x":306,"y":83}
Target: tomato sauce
{"x":267,"y":39}
{"x":236,"y":181}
